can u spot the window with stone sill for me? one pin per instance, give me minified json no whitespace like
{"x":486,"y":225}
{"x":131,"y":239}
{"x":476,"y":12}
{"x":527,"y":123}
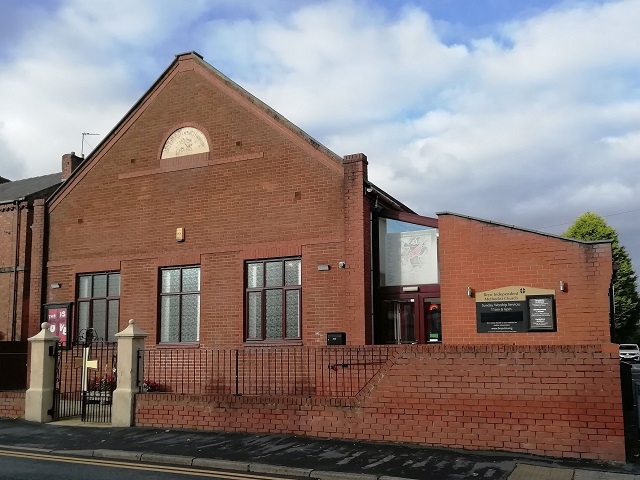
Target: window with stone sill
{"x":180,"y":304}
{"x":273,"y":300}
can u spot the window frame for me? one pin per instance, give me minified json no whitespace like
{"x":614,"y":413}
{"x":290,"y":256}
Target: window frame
{"x":90,"y":301}
{"x":263,"y":311}
{"x":179,"y":294}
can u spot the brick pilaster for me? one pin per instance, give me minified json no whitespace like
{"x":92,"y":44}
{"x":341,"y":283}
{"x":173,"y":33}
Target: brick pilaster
{"x":357,"y":251}
{"x":37,"y":267}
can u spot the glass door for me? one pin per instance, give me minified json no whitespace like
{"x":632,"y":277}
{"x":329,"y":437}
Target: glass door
{"x":432,"y":321}
{"x":400,"y":321}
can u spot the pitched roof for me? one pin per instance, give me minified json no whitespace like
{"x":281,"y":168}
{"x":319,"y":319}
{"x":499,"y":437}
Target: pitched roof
{"x":28,"y":187}
{"x":323,"y":153}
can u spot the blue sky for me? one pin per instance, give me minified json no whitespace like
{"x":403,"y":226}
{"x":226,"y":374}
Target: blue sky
{"x":523,"y":112}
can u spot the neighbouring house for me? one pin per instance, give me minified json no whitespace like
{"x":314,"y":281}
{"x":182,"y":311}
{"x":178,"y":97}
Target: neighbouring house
{"x":222,"y":227}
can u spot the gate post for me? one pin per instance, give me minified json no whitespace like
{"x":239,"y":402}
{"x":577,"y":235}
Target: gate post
{"x":130,"y":340}
{"x":39,"y":397}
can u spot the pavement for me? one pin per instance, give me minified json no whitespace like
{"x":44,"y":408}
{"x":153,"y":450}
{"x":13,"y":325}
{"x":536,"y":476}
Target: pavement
{"x":294,"y":456}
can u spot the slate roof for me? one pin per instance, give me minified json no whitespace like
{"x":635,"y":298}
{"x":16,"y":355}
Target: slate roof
{"x":29,"y":187}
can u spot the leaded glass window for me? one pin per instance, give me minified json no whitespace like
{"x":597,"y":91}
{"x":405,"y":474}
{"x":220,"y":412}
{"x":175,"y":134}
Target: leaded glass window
{"x":98,"y":306}
{"x":180,"y":304}
{"x":273,"y":299}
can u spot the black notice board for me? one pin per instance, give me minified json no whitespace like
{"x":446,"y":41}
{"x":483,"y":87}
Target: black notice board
{"x":542,"y":312}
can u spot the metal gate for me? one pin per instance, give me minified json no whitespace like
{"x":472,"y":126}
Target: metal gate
{"x":85,"y":378}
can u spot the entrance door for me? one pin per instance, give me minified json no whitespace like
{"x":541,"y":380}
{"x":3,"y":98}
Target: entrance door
{"x":400,"y":321}
{"x":408,"y":318}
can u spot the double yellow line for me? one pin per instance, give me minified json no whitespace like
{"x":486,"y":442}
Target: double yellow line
{"x":137,"y":466}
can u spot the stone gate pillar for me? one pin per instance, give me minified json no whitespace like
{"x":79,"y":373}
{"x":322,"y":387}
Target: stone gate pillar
{"x":38,"y":405}
{"x":130,"y":340}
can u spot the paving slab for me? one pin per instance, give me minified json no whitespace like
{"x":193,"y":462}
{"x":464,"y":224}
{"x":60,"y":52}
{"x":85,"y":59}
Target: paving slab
{"x":524,"y":471}
{"x":595,"y":475}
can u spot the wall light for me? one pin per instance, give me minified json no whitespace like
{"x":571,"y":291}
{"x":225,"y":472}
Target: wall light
{"x":55,"y":285}
{"x":563,"y":286}
{"x":469,"y":292}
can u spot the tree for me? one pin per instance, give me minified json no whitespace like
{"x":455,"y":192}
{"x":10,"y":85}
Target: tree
{"x":590,"y":226}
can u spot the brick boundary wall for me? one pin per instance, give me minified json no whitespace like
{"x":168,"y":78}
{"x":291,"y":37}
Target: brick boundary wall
{"x":560,"y":400}
{"x":12,"y":404}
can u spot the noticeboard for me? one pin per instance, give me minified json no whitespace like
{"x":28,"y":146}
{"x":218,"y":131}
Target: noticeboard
{"x":501,"y":317}
{"x":542,"y":315}
{"x":515,"y":309}
{"x":58,"y":315}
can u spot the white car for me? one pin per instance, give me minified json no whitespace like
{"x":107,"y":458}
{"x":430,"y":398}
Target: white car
{"x":629,"y":351}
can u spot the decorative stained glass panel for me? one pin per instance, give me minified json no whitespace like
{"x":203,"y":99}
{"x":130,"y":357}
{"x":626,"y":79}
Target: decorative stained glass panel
{"x":254,"y":327}
{"x":99,"y":318}
{"x":170,"y":319}
{"x":273,"y":307}
{"x":113,"y":320}
{"x":99,"y":285}
{"x":255,"y":275}
{"x":171,"y":281}
{"x":292,"y":272}
{"x":84,"y":289}
{"x":190,"y":318}
{"x":83,"y":318}
{"x":114,"y":284}
{"x":293,"y":313}
{"x":190,"y":280}
{"x":273,"y":275}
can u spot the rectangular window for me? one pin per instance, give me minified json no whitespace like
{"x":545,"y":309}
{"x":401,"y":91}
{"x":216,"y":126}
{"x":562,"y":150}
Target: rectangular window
{"x":273,"y":296}
{"x":180,"y":304}
{"x":98,"y":306}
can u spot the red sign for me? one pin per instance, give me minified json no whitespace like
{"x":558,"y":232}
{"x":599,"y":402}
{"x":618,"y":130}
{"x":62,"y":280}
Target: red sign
{"x":58,"y":318}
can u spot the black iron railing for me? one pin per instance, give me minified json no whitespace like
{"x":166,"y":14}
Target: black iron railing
{"x":293,"y":371}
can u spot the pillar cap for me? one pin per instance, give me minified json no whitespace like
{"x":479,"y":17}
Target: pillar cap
{"x":132,"y":331}
{"x":44,"y":335}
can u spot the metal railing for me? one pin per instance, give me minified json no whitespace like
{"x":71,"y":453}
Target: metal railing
{"x":13,"y":365}
{"x":293,"y":371}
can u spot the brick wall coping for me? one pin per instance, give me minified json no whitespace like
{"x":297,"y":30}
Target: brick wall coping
{"x":528,"y":230}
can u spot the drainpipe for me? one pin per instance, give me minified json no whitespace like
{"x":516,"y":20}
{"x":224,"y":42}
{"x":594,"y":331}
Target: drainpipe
{"x":16,"y":262}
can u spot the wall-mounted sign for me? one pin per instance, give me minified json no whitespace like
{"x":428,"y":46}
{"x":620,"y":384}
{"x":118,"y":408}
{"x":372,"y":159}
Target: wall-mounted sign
{"x":515,"y":309}
{"x":542,"y":315}
{"x":58,"y":315}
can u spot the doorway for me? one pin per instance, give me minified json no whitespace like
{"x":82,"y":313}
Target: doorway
{"x":409,"y":319}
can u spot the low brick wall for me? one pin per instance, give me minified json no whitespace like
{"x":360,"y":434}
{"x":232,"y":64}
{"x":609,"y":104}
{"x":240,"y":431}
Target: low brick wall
{"x":557,"y":400}
{"x":12,"y":404}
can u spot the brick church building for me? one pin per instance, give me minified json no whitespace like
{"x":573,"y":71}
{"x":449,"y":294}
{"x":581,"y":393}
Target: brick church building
{"x":217,"y":223}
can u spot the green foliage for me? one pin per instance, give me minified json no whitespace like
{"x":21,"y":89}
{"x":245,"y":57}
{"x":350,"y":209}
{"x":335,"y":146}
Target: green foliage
{"x":590,"y":226}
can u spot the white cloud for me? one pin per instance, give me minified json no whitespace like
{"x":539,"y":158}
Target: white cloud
{"x":531,"y":124}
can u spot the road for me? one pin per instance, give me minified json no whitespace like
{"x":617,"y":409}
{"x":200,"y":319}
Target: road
{"x":18,"y":465}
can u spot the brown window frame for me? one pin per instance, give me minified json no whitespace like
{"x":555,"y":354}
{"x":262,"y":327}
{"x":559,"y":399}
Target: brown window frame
{"x":80,"y":335}
{"x":180,"y":295}
{"x":263,"y":289}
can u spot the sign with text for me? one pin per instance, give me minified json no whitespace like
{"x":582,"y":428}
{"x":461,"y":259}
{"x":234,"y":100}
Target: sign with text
{"x":541,"y":312}
{"x":58,"y":315}
{"x":515,"y":309}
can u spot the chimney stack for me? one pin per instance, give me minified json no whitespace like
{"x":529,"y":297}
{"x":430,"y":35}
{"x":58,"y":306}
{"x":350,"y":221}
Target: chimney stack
{"x":69,"y":163}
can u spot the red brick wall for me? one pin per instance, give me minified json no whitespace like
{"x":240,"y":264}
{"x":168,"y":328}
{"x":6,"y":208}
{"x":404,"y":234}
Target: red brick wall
{"x":485,"y":256}
{"x":549,"y":400}
{"x":8,"y":238}
{"x":11,"y":404}
{"x":267,"y":192}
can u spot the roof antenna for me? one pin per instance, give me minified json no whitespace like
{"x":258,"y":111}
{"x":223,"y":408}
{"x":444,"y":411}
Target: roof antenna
{"x":84,"y":134}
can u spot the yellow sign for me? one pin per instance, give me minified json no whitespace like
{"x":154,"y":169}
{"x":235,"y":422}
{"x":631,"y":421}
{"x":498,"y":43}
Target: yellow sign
{"x":511,"y":294}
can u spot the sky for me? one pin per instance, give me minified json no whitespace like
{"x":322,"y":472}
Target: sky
{"x":525,"y":112}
